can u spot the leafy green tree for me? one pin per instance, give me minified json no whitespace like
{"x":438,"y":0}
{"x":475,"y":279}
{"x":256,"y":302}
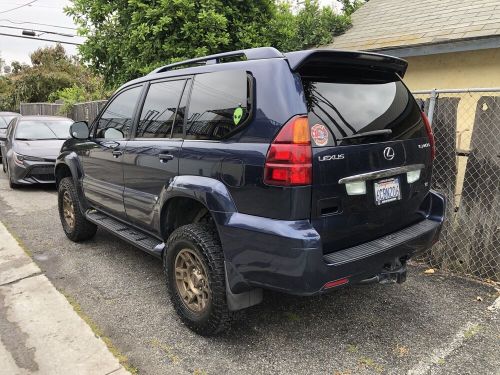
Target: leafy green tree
{"x":129,"y":38}
{"x":51,"y":71}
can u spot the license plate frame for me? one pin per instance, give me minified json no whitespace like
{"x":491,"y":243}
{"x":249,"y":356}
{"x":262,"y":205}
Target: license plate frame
{"x":387,"y":190}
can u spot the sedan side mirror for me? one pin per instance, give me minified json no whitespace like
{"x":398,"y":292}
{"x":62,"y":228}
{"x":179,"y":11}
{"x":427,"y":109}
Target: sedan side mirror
{"x":79,"y":130}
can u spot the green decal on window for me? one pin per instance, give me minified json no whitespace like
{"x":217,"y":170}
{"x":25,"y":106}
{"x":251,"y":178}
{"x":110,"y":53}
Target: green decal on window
{"x":237,"y":115}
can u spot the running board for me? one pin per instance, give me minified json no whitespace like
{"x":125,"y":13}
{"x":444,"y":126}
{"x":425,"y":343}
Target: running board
{"x":142,"y":240}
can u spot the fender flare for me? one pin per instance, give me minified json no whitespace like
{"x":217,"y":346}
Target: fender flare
{"x":70,"y":160}
{"x":210,"y":192}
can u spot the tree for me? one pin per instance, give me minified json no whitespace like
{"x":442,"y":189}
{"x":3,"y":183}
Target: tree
{"x":129,"y":38}
{"x":51,"y":71}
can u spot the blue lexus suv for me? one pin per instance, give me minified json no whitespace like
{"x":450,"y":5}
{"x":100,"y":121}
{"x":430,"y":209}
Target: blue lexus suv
{"x":299,"y":172}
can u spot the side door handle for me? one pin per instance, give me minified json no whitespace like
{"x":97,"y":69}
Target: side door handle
{"x":165,"y":157}
{"x":117,"y":153}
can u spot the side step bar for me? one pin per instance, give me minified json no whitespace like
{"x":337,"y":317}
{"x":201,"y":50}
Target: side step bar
{"x":142,"y":240}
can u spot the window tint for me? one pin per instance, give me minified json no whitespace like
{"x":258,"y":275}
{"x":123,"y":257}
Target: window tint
{"x":351,"y":108}
{"x":116,"y":121}
{"x":219,"y":104}
{"x":159,"y":111}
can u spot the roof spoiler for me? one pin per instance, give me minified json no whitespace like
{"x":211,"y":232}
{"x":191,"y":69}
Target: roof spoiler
{"x":307,"y":60}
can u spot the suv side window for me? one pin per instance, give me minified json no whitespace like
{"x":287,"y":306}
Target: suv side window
{"x":116,"y":121}
{"x":159,"y":113}
{"x":220,"y":104}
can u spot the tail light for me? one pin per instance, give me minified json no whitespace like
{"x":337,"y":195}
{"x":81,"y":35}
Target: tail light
{"x":288,"y":161}
{"x":430,"y":135}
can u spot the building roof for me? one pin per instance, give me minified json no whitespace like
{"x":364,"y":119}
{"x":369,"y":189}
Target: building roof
{"x":389,"y":25}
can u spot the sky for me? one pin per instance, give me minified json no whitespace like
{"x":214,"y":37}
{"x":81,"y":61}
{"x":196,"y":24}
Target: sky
{"x":49,"y":12}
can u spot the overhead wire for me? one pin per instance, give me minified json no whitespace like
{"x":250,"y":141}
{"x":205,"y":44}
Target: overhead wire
{"x":35,"y":23}
{"x":18,"y":7}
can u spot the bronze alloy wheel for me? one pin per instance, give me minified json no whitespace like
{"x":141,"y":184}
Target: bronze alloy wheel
{"x":192,"y":281}
{"x":69,"y":210}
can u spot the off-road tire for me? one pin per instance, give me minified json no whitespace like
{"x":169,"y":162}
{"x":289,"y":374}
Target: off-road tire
{"x":82,"y":229}
{"x":203,"y":239}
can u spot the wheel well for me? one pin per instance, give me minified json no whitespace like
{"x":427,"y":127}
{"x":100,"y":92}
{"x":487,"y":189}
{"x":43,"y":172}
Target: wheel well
{"x":61,"y":172}
{"x":180,"y":211}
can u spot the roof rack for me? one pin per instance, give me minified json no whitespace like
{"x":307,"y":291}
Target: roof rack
{"x":250,"y":54}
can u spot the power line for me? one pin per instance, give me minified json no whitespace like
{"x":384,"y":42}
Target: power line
{"x":40,"y":39}
{"x":18,"y":7}
{"x":39,"y":24}
{"x":40,"y":31}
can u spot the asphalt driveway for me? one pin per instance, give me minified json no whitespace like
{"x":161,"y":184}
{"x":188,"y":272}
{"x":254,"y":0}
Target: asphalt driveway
{"x":432,"y":324}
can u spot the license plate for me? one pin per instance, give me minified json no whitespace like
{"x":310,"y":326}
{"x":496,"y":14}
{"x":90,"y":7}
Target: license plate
{"x":387,"y":191}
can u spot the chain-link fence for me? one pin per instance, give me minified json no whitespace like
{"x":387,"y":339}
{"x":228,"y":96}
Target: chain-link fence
{"x":466,"y":126}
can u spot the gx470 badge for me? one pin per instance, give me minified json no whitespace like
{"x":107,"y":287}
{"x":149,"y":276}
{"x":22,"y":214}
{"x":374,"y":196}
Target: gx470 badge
{"x":319,"y":133}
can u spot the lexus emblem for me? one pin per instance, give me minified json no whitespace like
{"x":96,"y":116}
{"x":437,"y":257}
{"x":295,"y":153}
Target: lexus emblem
{"x":389,"y":153}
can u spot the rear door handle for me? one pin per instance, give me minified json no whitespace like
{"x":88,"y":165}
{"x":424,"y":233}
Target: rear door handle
{"x":165,"y":157}
{"x":117,"y":153}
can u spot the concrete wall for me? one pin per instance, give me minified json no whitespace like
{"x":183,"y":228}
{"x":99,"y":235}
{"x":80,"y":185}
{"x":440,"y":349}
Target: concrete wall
{"x":454,"y":70}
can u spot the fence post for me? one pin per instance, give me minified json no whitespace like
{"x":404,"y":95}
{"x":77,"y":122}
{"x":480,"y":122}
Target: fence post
{"x":432,"y":105}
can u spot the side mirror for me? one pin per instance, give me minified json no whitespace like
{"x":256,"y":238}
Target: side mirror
{"x":79,"y":130}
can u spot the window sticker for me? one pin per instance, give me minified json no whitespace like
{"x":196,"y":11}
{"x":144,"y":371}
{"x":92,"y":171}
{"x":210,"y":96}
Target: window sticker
{"x":237,"y":115}
{"x":319,"y":133}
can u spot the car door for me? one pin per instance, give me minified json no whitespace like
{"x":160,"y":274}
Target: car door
{"x":102,"y":161}
{"x":151,"y":158}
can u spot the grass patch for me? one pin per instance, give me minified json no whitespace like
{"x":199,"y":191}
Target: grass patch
{"x":292,"y":317}
{"x":123,"y":359}
{"x":371,"y":364}
{"x":352,"y":348}
{"x":472,"y":331}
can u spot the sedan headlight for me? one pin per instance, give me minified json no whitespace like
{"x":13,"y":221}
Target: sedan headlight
{"x":19,"y":159}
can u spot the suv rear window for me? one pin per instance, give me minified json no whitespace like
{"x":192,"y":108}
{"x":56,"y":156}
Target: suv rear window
{"x":351,"y":108}
{"x":219,"y":105}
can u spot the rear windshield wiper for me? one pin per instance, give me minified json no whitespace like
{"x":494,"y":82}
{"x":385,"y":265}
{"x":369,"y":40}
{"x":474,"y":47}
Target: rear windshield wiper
{"x":372,"y":133}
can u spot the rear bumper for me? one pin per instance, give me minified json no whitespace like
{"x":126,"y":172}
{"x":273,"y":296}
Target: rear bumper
{"x":287,"y":256}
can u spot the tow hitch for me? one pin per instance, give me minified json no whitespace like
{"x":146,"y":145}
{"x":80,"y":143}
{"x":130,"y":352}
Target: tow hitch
{"x":393,"y":273}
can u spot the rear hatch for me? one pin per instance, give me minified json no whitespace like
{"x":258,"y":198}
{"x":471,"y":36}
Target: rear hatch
{"x":371,"y":148}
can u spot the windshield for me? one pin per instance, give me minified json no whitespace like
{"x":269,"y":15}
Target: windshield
{"x":43,"y":129}
{"x":4,"y":121}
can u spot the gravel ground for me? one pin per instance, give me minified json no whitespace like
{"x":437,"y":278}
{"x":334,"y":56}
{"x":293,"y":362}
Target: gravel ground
{"x":432,"y":324}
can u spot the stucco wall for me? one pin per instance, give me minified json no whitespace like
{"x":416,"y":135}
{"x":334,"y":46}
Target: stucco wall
{"x":454,"y":70}
{"x":475,"y":69}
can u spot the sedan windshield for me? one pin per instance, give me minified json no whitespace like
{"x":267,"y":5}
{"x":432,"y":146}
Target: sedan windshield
{"x":43,"y":129}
